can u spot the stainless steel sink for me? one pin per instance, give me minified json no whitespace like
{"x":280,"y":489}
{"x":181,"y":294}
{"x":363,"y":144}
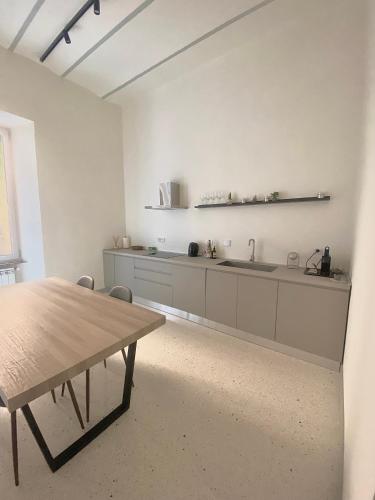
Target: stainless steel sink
{"x":248,"y":265}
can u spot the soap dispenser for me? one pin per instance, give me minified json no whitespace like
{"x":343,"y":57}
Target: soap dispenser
{"x":325,"y":267}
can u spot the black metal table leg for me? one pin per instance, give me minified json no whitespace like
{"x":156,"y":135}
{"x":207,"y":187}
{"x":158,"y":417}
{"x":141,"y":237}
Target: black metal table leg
{"x":87,"y":396}
{"x":29,"y":417}
{"x":125,"y":361}
{"x":13,"y":419}
{"x":129,"y":374}
{"x":62,"y":458}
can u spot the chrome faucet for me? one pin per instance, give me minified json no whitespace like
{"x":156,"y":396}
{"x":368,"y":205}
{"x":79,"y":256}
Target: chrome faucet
{"x":252,"y":256}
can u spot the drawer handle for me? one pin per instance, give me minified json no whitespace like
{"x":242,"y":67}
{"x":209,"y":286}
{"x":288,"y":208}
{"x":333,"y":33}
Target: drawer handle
{"x":151,"y":281}
{"x":152,"y":270}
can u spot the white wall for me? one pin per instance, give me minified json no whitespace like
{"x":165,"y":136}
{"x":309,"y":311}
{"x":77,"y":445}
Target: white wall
{"x":282,"y":112}
{"x":79,"y":160}
{"x":359,"y":364}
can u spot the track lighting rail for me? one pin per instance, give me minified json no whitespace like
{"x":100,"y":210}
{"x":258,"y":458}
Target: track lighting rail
{"x":64,"y":33}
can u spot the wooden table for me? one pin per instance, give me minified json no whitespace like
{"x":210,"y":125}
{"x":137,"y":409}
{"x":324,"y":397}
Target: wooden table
{"x":52,"y":330}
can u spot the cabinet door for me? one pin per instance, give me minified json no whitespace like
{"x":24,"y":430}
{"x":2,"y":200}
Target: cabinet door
{"x":256,"y":306}
{"x":124,"y":271}
{"x":109,"y":269}
{"x":189,"y":287}
{"x":221,"y":297}
{"x":312,"y":319}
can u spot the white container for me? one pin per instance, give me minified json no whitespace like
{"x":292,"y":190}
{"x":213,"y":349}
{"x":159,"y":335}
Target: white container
{"x":125,"y":242}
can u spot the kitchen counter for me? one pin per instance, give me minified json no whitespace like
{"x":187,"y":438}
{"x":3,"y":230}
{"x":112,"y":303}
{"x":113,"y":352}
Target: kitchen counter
{"x":282,"y":273}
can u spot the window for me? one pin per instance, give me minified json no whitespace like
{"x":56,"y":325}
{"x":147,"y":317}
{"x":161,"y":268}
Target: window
{"x":8,"y":228}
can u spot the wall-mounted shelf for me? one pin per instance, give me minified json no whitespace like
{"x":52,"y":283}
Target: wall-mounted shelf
{"x":159,"y":207}
{"x":275,"y":202}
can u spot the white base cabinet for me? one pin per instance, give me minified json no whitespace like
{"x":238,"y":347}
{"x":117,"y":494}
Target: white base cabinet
{"x":189,"y":290}
{"x":304,"y":317}
{"x":109,"y":270}
{"x":312,"y":319}
{"x":124,"y":271}
{"x":221,"y":297}
{"x":256,"y":306}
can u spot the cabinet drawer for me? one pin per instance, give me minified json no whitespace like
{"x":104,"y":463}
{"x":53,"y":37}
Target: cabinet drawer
{"x":152,"y":265}
{"x":221,"y":297}
{"x":143,"y":274}
{"x":256,"y":307}
{"x":157,"y":272}
{"x":312,"y":319}
{"x":157,"y":292}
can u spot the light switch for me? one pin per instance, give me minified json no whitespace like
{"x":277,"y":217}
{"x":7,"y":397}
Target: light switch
{"x":227,"y":243}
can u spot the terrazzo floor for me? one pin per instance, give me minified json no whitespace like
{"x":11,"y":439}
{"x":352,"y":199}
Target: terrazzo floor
{"x":212,"y":417}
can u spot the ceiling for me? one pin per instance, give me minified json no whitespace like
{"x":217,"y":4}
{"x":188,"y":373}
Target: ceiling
{"x":128,"y":40}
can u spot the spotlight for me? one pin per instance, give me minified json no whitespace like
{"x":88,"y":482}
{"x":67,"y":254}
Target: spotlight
{"x":97,"y":7}
{"x":67,"y":37}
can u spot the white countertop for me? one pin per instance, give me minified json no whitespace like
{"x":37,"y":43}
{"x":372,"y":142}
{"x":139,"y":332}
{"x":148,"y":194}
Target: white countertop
{"x":282,"y":273}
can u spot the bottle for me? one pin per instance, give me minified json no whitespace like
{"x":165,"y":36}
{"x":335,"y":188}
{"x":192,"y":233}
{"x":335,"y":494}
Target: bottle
{"x":209,"y":250}
{"x":326,"y":263}
{"x":214,"y":252}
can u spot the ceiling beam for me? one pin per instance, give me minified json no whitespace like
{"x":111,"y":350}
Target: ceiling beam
{"x":33,"y":12}
{"x":231,"y":21}
{"x":106,"y":37}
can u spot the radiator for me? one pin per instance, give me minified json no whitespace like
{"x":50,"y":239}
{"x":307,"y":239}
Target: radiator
{"x":7,"y":276}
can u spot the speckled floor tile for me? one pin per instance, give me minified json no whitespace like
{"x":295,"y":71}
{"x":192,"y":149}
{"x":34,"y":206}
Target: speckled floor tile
{"x":212,"y":417}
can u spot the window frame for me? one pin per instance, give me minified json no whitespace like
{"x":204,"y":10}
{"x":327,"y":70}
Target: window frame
{"x":11,"y":197}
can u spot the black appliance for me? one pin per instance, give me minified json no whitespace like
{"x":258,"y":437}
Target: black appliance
{"x":325,"y":267}
{"x":193,"y":249}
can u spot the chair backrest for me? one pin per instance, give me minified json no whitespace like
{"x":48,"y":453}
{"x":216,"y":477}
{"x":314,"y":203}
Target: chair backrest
{"x":122,"y":293}
{"x":86,"y":282}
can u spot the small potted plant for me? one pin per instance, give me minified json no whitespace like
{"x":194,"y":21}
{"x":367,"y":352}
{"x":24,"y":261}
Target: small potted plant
{"x":274,"y":196}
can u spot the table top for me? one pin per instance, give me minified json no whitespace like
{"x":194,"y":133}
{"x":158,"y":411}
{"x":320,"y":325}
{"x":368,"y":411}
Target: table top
{"x":52,"y":330}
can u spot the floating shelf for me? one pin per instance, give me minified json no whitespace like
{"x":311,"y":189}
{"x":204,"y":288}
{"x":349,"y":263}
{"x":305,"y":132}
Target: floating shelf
{"x":275,"y":202}
{"x":149,"y":207}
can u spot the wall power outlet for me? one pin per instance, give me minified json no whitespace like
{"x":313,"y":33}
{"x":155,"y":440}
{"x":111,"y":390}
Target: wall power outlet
{"x":161,"y":239}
